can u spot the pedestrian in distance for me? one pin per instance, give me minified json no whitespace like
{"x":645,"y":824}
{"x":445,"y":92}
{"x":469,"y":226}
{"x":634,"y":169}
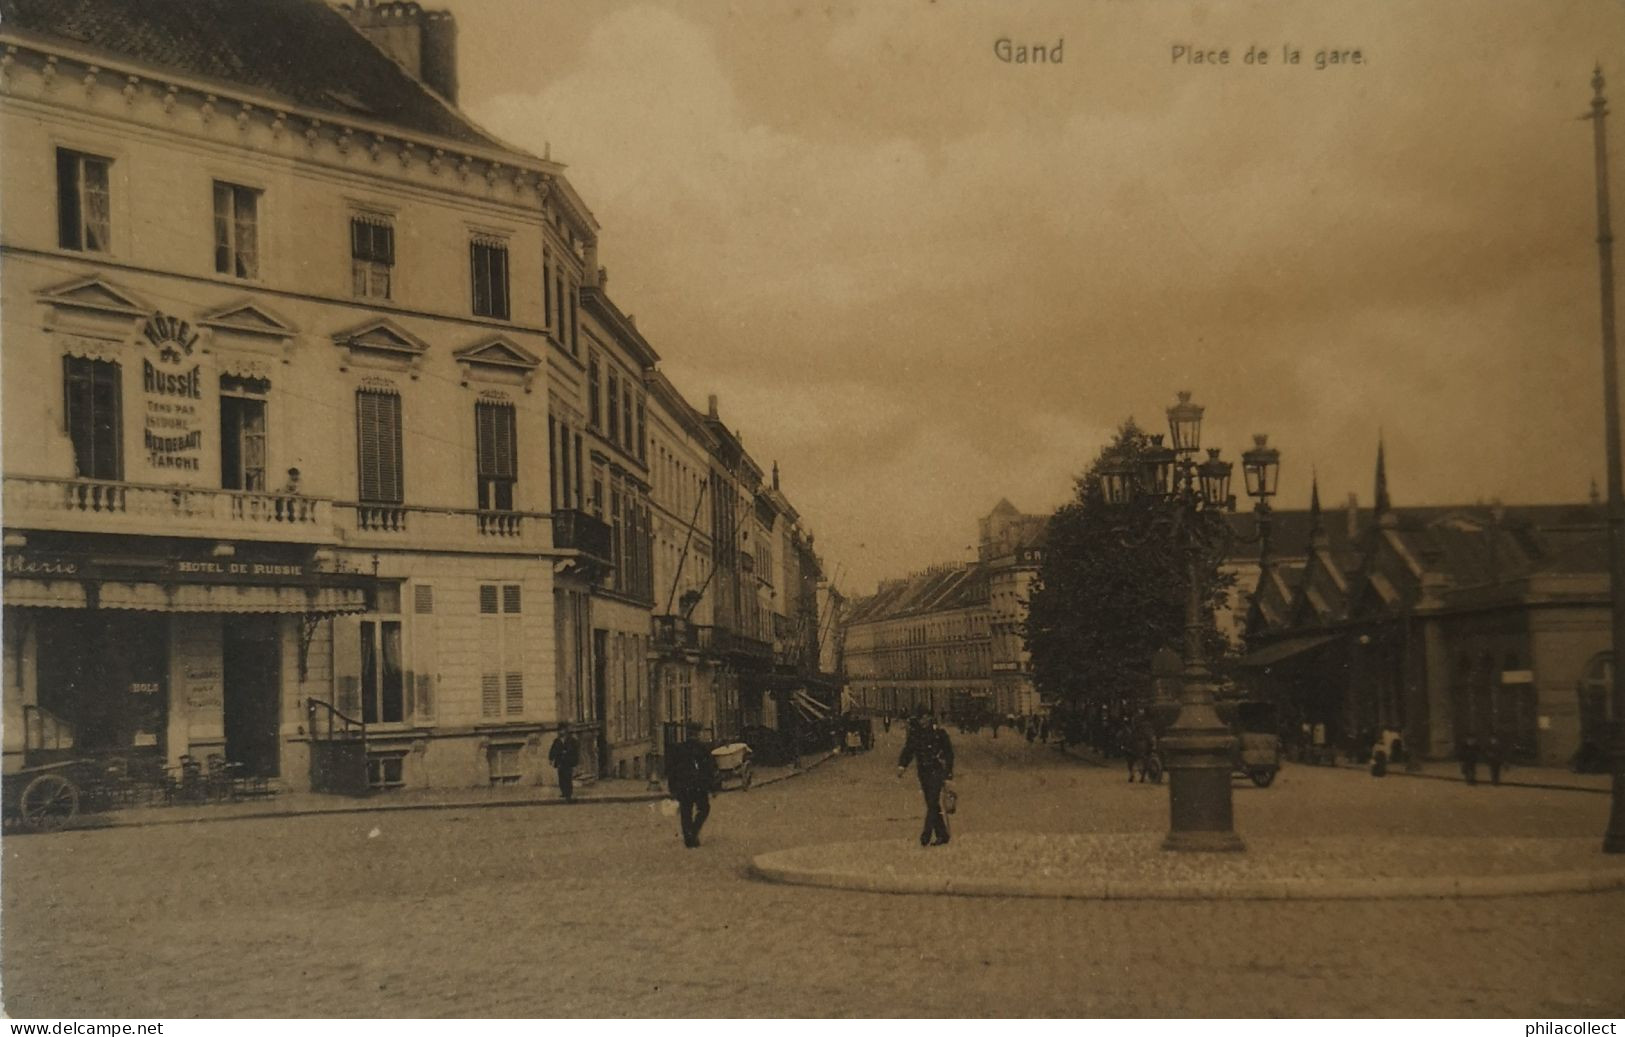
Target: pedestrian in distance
{"x":564,"y":755}
{"x":1495,"y":756}
{"x":690,"y":773}
{"x":932,"y":753}
{"x":1468,"y":754}
{"x":1125,"y":745}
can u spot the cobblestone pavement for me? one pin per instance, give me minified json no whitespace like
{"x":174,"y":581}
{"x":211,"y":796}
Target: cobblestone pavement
{"x":598,"y":910}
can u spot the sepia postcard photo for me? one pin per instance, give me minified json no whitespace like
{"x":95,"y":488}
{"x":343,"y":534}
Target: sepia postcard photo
{"x":800,"y":509}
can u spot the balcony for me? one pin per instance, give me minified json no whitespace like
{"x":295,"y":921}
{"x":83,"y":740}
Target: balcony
{"x":579,"y":531}
{"x":450,"y":529}
{"x":103,"y":506}
{"x":730,"y":643}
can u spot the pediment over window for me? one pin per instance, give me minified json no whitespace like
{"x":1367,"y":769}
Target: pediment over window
{"x":382,"y":342}
{"x":94,"y":295}
{"x":248,"y":318}
{"x":499,"y":359}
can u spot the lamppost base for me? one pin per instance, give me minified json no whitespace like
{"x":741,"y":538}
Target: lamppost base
{"x":1614,"y":840}
{"x":1203,"y":842}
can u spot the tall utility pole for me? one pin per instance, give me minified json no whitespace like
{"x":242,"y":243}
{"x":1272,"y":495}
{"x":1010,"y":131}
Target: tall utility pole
{"x":1614,"y":841}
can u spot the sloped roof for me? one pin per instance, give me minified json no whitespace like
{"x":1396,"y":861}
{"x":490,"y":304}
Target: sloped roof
{"x":301,"y":50}
{"x":938,"y":589}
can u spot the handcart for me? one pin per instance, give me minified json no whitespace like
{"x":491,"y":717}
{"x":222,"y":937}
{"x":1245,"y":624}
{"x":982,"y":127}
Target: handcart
{"x":733,"y":764}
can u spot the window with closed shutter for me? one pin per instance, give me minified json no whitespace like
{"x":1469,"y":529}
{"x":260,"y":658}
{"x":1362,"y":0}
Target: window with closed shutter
{"x":496,"y":454}
{"x":425,"y":653}
{"x":502,"y":660}
{"x":378,"y":442}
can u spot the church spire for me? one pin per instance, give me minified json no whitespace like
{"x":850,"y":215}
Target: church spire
{"x":1382,"y":504}
{"x":1314,"y":503}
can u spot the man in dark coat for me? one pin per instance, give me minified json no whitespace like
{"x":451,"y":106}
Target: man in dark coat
{"x":932,"y":754}
{"x":690,"y":773}
{"x":564,"y":754}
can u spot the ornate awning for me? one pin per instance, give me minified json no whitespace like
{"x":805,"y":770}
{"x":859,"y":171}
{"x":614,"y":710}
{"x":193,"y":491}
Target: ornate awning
{"x":186,"y":597}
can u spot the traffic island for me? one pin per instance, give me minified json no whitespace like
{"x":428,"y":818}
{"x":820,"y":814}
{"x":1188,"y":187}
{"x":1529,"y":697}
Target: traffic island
{"x":1134,"y":867}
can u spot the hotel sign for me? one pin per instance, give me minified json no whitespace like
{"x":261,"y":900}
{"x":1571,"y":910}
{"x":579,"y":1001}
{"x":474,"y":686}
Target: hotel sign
{"x":172,"y":381}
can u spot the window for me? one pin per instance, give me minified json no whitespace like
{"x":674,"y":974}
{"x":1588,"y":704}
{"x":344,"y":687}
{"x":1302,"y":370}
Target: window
{"x":504,"y":761}
{"x":595,"y":407}
{"x":502,"y":684}
{"x":242,"y":434}
{"x":547,"y":287}
{"x":378,"y":443}
{"x":560,"y":323}
{"x":372,"y":256}
{"x":83,"y":202}
{"x":236,"y":230}
{"x":383,"y":677}
{"x":92,"y":408}
{"x":614,"y":407}
{"x":496,"y":455}
{"x":643,"y":446}
{"x":626,"y":409}
{"x":489,"y":257}
{"x":575,"y":323}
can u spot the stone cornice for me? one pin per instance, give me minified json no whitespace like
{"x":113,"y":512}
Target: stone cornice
{"x":46,"y":71}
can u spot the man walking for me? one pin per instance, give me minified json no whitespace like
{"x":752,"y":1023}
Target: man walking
{"x":690,"y":772}
{"x":564,"y":754}
{"x":932,"y":754}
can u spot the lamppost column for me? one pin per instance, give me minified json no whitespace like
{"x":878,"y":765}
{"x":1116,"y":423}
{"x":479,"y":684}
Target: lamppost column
{"x":1614,"y":840}
{"x":1198,"y":745}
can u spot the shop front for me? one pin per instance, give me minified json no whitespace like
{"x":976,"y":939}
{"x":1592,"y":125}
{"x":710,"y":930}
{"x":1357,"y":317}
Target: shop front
{"x":153,"y":652}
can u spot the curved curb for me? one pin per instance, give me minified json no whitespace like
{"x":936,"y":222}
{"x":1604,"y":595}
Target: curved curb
{"x":773,"y":867}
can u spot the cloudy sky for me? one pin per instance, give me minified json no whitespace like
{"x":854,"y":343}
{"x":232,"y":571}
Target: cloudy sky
{"x":923,"y":279}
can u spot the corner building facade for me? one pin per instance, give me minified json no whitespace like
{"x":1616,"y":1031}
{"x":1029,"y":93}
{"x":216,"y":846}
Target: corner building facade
{"x":210,"y":283}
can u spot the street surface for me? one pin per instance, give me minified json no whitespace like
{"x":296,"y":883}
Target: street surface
{"x":597,"y":909}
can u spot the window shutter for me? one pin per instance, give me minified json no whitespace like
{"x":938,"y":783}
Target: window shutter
{"x":488,"y":599}
{"x":378,"y":436}
{"x":490,"y":695}
{"x":346,"y":666}
{"x":510,"y":598}
{"x":425,"y":651}
{"x":514,"y":689}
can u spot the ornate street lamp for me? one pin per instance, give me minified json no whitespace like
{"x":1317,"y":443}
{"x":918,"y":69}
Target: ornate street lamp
{"x":1117,"y":481}
{"x":1185,"y":424}
{"x":1262,"y":467}
{"x":1199,"y":744}
{"x":1157,"y":469}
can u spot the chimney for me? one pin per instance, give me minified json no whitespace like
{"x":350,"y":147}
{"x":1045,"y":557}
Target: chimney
{"x":422,"y":42}
{"x":713,"y":405}
{"x":775,"y":475}
{"x":1354,"y":516}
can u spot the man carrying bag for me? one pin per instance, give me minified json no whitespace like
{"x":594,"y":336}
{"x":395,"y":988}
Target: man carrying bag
{"x":932,"y":753}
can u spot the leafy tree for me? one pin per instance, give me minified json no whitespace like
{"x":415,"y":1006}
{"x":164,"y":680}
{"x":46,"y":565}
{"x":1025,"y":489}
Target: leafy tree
{"x":1111,"y":591}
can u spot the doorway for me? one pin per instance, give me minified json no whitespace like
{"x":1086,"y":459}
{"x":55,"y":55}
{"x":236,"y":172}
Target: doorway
{"x":252,"y":672}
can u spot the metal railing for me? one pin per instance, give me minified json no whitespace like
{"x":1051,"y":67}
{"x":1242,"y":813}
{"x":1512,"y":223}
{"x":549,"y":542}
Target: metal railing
{"x":578,"y":531}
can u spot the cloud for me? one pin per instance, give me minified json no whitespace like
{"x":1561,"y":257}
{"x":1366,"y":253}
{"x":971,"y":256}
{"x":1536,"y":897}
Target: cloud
{"x":922,"y":280}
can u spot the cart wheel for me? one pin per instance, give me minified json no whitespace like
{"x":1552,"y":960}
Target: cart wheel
{"x":1262,"y":776}
{"x":744,"y":778}
{"x":48,"y":802}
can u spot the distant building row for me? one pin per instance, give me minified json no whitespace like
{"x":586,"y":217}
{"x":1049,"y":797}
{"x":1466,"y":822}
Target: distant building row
{"x":949,"y":639}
